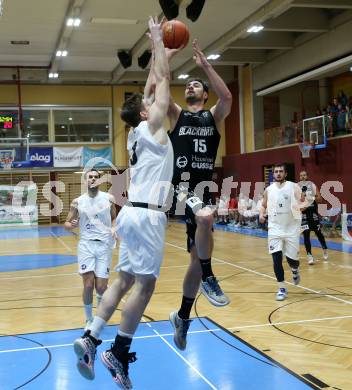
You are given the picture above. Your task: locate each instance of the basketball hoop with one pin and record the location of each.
(305, 149)
(7, 157)
(6, 163)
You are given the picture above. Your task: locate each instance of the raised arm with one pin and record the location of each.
(149, 89)
(158, 110)
(222, 107)
(174, 109)
(72, 216)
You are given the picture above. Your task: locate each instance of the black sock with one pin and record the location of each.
(206, 268)
(122, 346)
(186, 307)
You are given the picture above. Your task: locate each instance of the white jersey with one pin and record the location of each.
(151, 167)
(284, 216)
(309, 189)
(95, 217)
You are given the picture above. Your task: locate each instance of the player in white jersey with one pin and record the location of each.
(141, 222)
(94, 213)
(283, 202)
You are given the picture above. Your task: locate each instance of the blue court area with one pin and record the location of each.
(34, 261)
(33, 232)
(214, 359)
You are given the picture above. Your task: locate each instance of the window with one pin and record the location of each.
(82, 125)
(36, 125)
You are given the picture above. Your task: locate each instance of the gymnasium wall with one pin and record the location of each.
(341, 82)
(326, 47)
(110, 96)
(323, 165)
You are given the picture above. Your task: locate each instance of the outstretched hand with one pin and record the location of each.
(198, 55)
(155, 29)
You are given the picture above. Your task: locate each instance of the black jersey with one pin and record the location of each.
(195, 141)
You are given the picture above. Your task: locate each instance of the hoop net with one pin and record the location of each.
(305, 149)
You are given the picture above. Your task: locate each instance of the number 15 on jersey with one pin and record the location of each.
(200, 145)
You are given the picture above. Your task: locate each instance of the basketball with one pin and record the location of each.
(175, 34)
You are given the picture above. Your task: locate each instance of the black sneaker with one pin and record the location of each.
(86, 348)
(118, 368)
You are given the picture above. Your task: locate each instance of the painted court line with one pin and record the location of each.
(188, 363)
(62, 242)
(268, 324)
(270, 277)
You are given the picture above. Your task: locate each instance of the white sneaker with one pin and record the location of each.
(310, 259)
(281, 294)
(88, 324)
(326, 255)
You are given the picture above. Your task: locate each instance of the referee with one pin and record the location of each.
(310, 217)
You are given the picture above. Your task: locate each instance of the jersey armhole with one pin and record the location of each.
(178, 120)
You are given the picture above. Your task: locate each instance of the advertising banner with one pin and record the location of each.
(68, 157)
(41, 157)
(105, 153)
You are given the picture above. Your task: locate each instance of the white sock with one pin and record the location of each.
(294, 270)
(282, 285)
(99, 298)
(97, 326)
(89, 311)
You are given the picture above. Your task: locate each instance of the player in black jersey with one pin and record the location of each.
(195, 138)
(310, 217)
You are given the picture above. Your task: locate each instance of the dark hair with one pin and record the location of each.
(91, 170)
(131, 108)
(204, 84)
(283, 165)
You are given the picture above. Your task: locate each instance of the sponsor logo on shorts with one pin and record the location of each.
(83, 267)
(271, 247)
(107, 270)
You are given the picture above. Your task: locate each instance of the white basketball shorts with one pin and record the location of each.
(142, 235)
(288, 245)
(94, 256)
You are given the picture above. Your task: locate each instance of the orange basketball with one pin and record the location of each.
(175, 34)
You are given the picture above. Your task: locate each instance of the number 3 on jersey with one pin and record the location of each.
(200, 145)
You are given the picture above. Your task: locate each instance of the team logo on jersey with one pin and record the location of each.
(205, 114)
(181, 161)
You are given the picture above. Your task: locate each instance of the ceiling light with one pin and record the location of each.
(183, 76)
(1, 7)
(213, 56)
(53, 75)
(31, 119)
(351, 69)
(59, 53)
(64, 53)
(255, 28)
(70, 119)
(75, 22)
